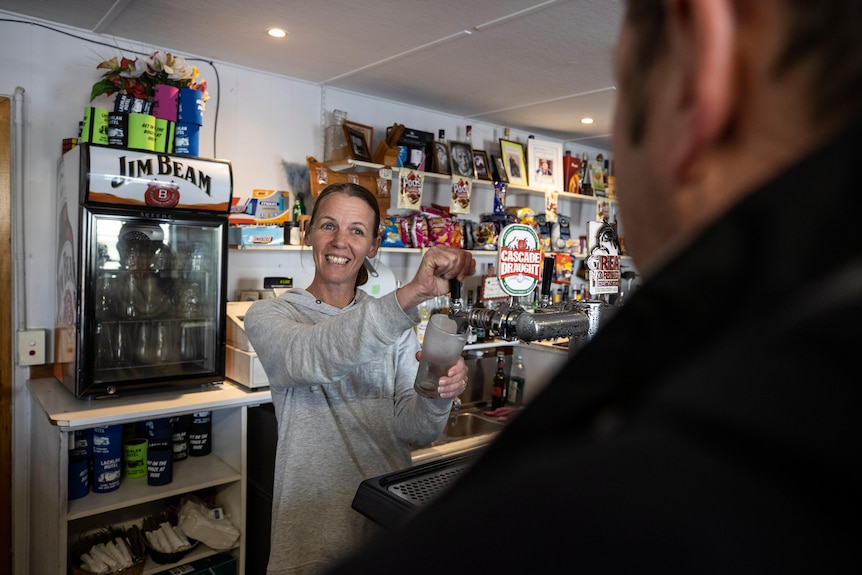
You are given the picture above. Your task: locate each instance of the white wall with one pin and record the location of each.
(256, 120)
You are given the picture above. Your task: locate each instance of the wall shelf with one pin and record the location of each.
(342, 165)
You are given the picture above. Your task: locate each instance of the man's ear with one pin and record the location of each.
(703, 42)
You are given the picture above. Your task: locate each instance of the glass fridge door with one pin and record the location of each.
(153, 302)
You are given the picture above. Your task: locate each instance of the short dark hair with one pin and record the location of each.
(355, 191)
(826, 32)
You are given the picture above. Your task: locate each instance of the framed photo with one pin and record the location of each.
(498, 170)
(367, 131)
(480, 163)
(461, 159)
(357, 144)
(546, 164)
(513, 158)
(441, 157)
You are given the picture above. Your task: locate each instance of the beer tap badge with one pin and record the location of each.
(519, 260)
(603, 261)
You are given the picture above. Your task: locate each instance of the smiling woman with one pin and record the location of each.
(345, 361)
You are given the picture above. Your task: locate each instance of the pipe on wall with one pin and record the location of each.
(20, 287)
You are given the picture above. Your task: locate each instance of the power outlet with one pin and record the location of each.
(31, 347)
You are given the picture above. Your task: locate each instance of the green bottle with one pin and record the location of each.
(298, 207)
(517, 378)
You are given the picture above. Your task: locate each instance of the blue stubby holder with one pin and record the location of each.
(191, 107)
(187, 139)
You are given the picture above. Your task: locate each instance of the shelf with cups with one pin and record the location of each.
(61, 516)
(148, 321)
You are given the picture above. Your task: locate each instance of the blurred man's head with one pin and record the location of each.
(714, 99)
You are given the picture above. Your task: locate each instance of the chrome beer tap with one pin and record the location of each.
(576, 320)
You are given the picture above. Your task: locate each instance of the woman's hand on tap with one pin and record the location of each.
(439, 265)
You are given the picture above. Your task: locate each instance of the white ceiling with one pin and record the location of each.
(537, 66)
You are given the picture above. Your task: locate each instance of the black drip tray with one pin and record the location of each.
(390, 499)
(423, 488)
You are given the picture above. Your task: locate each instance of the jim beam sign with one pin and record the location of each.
(519, 260)
(141, 178)
(603, 261)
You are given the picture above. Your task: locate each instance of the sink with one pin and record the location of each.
(470, 425)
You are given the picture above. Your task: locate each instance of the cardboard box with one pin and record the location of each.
(235, 331)
(244, 367)
(416, 140)
(264, 207)
(268, 204)
(256, 236)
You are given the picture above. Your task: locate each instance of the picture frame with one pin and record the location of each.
(513, 158)
(367, 131)
(357, 144)
(461, 159)
(498, 169)
(441, 158)
(545, 165)
(481, 165)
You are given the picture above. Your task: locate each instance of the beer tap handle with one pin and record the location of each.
(455, 290)
(456, 305)
(547, 276)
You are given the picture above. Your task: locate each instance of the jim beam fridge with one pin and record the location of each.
(142, 258)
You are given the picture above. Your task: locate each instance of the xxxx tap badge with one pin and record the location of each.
(519, 260)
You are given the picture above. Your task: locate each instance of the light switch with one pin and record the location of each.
(31, 347)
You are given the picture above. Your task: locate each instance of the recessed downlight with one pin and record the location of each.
(276, 32)
(586, 120)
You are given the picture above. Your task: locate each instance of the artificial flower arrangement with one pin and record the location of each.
(138, 77)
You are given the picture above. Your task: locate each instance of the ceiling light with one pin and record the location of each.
(276, 32)
(586, 120)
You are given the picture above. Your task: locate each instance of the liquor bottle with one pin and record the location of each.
(498, 392)
(517, 379)
(298, 207)
(424, 316)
